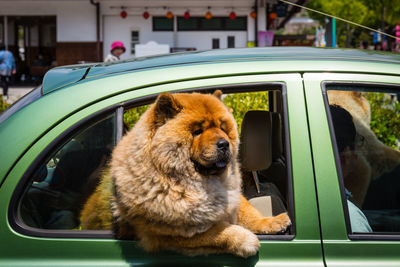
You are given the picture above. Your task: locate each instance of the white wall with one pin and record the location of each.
(203, 40)
(119, 29)
(76, 20)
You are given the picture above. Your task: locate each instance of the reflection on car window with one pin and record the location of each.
(62, 183)
(366, 124)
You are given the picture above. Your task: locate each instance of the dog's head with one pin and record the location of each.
(193, 131)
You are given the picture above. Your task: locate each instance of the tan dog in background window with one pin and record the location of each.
(373, 157)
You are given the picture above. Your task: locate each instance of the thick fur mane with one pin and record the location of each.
(175, 194)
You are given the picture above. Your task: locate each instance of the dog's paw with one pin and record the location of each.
(243, 243)
(273, 225)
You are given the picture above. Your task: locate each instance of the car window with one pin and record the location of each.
(264, 177)
(365, 122)
(62, 182)
(21, 103)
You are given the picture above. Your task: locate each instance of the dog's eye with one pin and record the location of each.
(223, 127)
(197, 132)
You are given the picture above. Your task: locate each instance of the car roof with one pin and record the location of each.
(63, 76)
(69, 89)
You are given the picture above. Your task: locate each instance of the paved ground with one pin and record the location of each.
(16, 92)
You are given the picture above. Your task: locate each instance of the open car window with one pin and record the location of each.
(65, 179)
(263, 154)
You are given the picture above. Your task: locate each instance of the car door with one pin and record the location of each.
(27, 241)
(357, 182)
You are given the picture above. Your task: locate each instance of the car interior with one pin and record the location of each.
(262, 161)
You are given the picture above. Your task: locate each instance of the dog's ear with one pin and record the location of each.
(166, 107)
(356, 94)
(218, 94)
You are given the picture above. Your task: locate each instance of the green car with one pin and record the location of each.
(332, 141)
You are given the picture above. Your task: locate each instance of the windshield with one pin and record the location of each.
(24, 101)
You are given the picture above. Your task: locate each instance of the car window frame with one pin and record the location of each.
(118, 110)
(57, 143)
(375, 87)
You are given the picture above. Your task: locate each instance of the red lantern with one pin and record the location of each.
(232, 15)
(273, 15)
(123, 14)
(169, 15)
(253, 14)
(146, 15)
(186, 15)
(208, 15)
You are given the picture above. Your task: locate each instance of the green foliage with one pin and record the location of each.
(239, 103)
(242, 102)
(3, 104)
(355, 11)
(392, 12)
(385, 118)
(366, 12)
(132, 115)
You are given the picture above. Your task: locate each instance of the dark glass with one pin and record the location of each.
(61, 184)
(212, 24)
(367, 152)
(231, 41)
(237, 24)
(190, 24)
(215, 43)
(163, 24)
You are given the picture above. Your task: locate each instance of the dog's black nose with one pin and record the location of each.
(222, 144)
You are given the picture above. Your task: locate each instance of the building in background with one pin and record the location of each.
(42, 33)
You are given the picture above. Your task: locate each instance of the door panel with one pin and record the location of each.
(341, 248)
(93, 249)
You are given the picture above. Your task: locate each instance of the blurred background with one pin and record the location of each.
(42, 34)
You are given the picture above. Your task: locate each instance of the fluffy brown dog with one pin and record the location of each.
(373, 157)
(174, 182)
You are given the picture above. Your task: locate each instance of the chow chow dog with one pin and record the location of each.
(373, 157)
(174, 182)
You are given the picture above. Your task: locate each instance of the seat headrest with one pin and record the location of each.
(277, 146)
(256, 138)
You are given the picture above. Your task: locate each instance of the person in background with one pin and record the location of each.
(345, 133)
(364, 44)
(117, 49)
(7, 68)
(39, 61)
(378, 46)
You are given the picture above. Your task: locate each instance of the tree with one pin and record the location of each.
(356, 12)
(385, 118)
(386, 13)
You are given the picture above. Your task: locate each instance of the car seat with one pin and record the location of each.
(256, 156)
